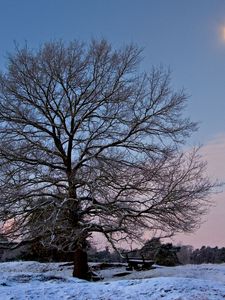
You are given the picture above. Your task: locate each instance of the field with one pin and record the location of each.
(33, 280)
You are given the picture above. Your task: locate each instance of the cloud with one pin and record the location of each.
(214, 153)
(211, 232)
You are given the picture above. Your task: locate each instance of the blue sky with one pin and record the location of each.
(181, 34)
(184, 35)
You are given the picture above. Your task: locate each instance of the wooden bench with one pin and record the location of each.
(138, 264)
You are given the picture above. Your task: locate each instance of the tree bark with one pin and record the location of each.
(81, 264)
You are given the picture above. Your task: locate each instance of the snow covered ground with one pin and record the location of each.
(33, 280)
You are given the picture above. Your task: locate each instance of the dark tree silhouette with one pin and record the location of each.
(88, 144)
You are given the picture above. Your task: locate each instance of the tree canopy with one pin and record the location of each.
(88, 144)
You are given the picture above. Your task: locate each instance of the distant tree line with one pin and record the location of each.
(208, 255)
(165, 254)
(162, 254)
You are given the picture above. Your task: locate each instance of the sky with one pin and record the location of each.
(188, 36)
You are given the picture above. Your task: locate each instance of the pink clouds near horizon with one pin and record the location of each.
(212, 230)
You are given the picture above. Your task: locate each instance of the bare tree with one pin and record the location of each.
(88, 144)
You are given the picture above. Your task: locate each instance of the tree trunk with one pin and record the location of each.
(81, 264)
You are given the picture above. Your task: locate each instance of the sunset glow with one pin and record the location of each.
(222, 33)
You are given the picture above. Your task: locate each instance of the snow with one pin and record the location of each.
(33, 280)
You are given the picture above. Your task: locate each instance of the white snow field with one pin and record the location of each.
(33, 280)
